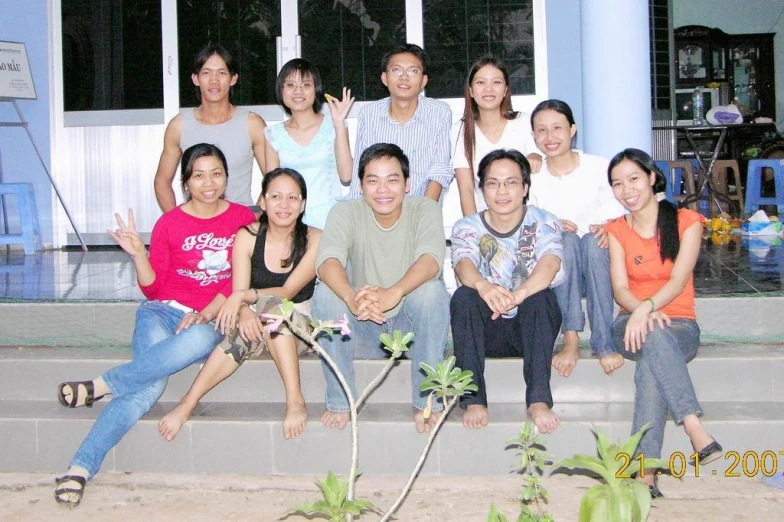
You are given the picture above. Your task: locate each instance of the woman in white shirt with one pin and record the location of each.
(488, 123)
(573, 186)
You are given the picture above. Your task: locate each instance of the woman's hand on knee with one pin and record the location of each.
(190, 319)
(637, 329)
(250, 326)
(658, 317)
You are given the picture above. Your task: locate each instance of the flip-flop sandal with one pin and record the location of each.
(71, 492)
(89, 398)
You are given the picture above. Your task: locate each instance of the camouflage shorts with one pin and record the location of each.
(240, 350)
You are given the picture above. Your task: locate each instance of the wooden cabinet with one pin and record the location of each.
(742, 65)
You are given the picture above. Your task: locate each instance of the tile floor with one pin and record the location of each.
(741, 267)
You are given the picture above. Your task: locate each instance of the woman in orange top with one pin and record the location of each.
(653, 250)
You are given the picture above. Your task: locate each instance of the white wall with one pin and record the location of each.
(737, 17)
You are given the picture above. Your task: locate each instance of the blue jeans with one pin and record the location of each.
(587, 268)
(661, 377)
(425, 311)
(137, 385)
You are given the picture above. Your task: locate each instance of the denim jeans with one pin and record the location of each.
(137, 385)
(661, 378)
(425, 311)
(530, 334)
(587, 268)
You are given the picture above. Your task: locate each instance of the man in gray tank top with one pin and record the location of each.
(236, 131)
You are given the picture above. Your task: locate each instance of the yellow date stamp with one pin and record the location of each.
(748, 464)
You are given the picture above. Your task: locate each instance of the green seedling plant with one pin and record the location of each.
(619, 497)
(335, 506)
(445, 382)
(533, 462)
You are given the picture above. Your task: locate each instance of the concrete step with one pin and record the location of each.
(246, 438)
(720, 373)
(110, 323)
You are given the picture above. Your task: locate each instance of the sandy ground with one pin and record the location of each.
(159, 497)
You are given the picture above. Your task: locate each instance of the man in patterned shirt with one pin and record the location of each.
(506, 258)
(417, 124)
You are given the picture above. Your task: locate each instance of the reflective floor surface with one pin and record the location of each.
(741, 267)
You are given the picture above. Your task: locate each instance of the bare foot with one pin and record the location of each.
(476, 416)
(335, 419)
(169, 426)
(611, 362)
(425, 425)
(294, 420)
(543, 417)
(565, 360)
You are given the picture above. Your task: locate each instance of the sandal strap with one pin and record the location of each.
(89, 398)
(76, 478)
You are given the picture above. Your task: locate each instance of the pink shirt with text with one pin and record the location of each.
(191, 256)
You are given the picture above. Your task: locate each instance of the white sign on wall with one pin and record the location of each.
(16, 81)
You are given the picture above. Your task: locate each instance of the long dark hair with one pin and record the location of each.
(189, 157)
(299, 243)
(471, 110)
(667, 220)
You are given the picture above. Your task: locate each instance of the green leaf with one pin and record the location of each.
(385, 339)
(593, 506)
(630, 445)
(407, 338)
(641, 497)
(620, 503)
(495, 515)
(586, 464)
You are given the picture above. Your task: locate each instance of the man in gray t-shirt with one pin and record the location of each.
(379, 261)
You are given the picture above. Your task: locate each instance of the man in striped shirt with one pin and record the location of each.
(418, 125)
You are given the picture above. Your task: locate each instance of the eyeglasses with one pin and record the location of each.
(493, 184)
(278, 197)
(293, 86)
(410, 72)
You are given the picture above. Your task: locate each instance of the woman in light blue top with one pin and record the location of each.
(312, 143)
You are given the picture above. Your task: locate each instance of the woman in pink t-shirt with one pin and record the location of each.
(186, 277)
(653, 251)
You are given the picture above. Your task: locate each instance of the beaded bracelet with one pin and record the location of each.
(653, 305)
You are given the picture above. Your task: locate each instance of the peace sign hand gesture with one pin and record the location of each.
(127, 236)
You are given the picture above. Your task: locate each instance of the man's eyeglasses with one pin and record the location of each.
(493, 184)
(277, 196)
(411, 72)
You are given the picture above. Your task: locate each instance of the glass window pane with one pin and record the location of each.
(112, 55)
(457, 32)
(346, 40)
(247, 28)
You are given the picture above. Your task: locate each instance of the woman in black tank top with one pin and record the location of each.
(274, 259)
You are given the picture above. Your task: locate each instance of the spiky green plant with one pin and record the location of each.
(619, 497)
(335, 506)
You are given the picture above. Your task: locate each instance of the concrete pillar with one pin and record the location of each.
(616, 76)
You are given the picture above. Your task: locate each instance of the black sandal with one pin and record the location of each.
(74, 402)
(76, 492)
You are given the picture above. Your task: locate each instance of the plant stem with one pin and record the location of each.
(532, 472)
(420, 463)
(375, 382)
(354, 432)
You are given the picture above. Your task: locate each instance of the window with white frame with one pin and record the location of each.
(113, 50)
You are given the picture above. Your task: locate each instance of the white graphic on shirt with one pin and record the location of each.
(214, 262)
(214, 266)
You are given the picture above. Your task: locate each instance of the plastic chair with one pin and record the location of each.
(28, 217)
(721, 177)
(754, 199)
(679, 176)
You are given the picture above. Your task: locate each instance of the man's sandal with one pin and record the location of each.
(69, 495)
(89, 397)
